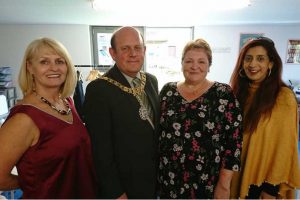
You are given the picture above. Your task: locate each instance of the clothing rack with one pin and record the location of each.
(101, 68)
(94, 66)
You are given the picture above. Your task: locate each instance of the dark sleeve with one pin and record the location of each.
(163, 91)
(99, 124)
(233, 132)
(270, 189)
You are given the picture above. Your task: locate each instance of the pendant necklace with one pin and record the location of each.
(62, 112)
(143, 112)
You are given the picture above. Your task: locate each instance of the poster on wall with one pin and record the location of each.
(245, 37)
(104, 57)
(293, 52)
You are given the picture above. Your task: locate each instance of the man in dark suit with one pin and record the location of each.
(122, 124)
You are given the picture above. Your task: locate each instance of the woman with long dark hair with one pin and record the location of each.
(270, 166)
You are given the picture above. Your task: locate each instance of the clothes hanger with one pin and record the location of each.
(79, 75)
(94, 74)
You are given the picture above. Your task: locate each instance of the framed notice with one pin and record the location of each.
(104, 57)
(293, 52)
(245, 37)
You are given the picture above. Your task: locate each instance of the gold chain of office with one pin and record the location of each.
(136, 91)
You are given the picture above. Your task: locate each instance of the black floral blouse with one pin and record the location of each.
(196, 140)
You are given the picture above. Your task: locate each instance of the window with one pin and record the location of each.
(163, 53)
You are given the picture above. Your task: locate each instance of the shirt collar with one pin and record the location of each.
(129, 79)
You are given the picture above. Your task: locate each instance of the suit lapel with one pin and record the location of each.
(150, 91)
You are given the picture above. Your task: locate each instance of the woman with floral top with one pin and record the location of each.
(200, 139)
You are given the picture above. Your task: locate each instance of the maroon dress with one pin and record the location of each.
(60, 164)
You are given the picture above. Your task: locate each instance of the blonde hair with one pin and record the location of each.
(26, 81)
(198, 44)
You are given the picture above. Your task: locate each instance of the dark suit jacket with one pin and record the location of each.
(124, 146)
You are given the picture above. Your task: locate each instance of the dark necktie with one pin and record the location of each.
(143, 96)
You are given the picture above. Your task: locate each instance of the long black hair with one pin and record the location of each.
(265, 96)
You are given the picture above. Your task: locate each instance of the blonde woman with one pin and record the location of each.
(43, 135)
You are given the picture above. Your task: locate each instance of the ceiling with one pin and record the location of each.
(133, 13)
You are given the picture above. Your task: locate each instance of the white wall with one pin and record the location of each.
(224, 41)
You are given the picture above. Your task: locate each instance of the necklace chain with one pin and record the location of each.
(62, 112)
(136, 92)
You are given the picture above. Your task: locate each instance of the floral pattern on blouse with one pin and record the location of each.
(196, 140)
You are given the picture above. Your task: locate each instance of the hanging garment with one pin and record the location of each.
(79, 95)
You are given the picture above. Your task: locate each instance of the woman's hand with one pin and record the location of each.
(123, 196)
(222, 190)
(264, 195)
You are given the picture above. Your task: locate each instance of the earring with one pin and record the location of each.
(33, 83)
(270, 70)
(240, 73)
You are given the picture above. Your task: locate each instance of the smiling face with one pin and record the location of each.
(48, 69)
(257, 64)
(195, 65)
